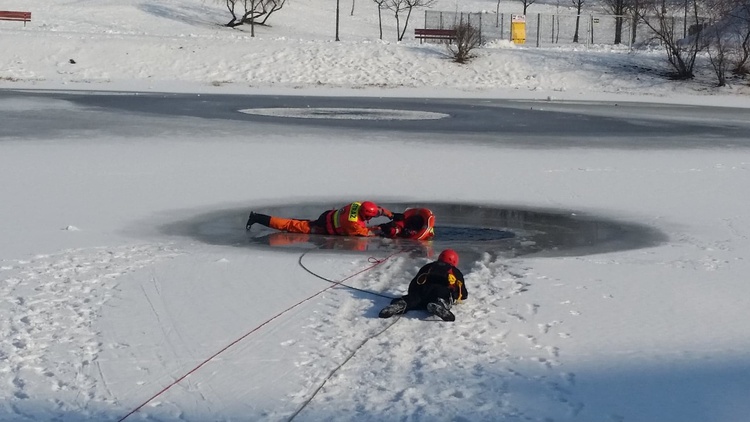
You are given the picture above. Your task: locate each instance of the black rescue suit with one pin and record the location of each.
(435, 280)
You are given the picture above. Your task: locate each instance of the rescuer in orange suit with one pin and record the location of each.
(349, 220)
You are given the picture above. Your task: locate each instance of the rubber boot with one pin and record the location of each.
(262, 219)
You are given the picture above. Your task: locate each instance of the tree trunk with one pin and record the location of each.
(406, 25)
(578, 19)
(398, 28)
(618, 30)
(337, 20)
(380, 21)
(252, 20)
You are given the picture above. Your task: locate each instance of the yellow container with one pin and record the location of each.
(518, 29)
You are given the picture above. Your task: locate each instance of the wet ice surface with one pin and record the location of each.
(469, 228)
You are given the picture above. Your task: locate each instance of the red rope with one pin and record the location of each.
(375, 262)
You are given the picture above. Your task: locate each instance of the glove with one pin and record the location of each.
(397, 216)
(388, 230)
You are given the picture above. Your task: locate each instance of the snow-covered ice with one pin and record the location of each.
(102, 309)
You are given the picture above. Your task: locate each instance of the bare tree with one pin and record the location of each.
(727, 40)
(232, 7)
(618, 8)
(681, 53)
(337, 19)
(468, 38)
(579, 5)
(635, 13)
(398, 7)
(526, 4)
(251, 11)
(719, 51)
(741, 19)
(381, 5)
(718, 38)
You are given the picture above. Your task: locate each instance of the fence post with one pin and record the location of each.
(630, 36)
(556, 35)
(538, 27)
(552, 34)
(481, 38)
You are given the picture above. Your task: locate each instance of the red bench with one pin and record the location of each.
(8, 15)
(435, 34)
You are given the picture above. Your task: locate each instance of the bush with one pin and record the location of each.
(468, 38)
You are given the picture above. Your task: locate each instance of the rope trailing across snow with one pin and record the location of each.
(375, 263)
(356, 349)
(336, 369)
(341, 283)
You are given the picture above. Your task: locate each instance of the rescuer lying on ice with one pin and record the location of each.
(349, 220)
(436, 287)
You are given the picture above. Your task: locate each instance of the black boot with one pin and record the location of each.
(441, 308)
(261, 219)
(396, 307)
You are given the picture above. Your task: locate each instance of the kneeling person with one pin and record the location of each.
(436, 287)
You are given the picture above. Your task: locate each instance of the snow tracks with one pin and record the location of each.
(48, 341)
(498, 361)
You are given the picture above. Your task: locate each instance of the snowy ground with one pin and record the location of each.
(102, 310)
(179, 45)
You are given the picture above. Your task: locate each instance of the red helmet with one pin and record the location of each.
(368, 210)
(449, 256)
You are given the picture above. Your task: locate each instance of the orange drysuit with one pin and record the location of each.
(345, 221)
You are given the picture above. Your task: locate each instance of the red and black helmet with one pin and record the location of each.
(449, 256)
(368, 210)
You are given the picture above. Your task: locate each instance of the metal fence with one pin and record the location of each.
(552, 29)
